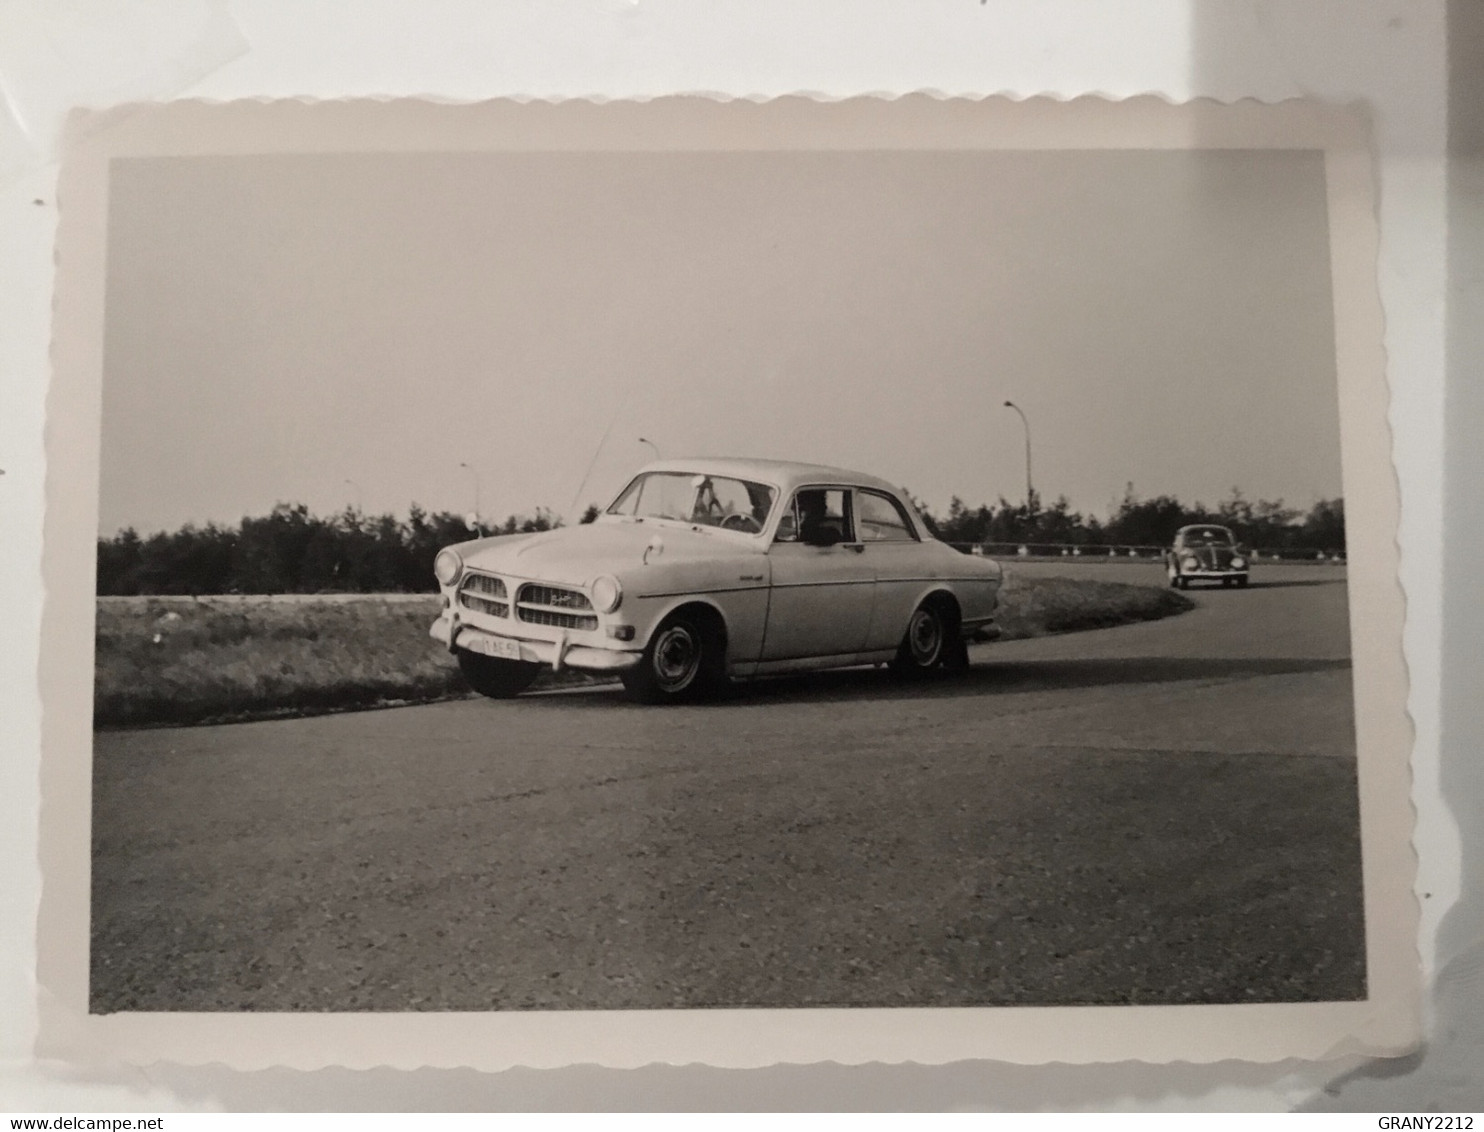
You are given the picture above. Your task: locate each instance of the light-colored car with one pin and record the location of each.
(706, 570)
(1205, 552)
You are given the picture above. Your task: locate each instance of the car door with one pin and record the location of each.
(821, 596)
(893, 550)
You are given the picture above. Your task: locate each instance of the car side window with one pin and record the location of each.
(818, 513)
(882, 519)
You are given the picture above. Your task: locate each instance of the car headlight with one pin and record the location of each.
(607, 594)
(447, 567)
(1239, 563)
(1190, 562)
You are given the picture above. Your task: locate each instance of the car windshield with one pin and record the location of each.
(1208, 534)
(691, 497)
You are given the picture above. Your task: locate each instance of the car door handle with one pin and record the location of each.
(858, 547)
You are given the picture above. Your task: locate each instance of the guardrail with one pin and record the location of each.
(1057, 551)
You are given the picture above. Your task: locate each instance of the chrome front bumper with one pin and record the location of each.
(557, 654)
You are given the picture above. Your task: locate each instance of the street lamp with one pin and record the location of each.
(653, 446)
(473, 471)
(1030, 493)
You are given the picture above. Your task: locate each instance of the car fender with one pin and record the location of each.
(970, 606)
(736, 588)
(742, 613)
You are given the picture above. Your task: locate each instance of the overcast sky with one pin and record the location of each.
(278, 326)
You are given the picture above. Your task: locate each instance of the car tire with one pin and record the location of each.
(926, 643)
(1242, 582)
(494, 677)
(684, 660)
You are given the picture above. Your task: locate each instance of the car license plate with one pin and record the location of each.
(502, 647)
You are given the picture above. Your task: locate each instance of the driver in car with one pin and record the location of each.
(815, 527)
(714, 511)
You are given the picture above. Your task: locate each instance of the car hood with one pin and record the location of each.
(577, 555)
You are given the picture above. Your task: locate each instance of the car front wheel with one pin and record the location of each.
(496, 678)
(683, 660)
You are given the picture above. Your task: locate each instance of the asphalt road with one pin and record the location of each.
(1164, 812)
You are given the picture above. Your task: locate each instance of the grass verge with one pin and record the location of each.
(169, 661)
(1039, 607)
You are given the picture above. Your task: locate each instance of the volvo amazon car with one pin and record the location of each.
(1205, 552)
(704, 571)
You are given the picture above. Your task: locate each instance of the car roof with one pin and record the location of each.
(786, 474)
(1203, 527)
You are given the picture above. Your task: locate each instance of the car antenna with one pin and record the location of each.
(602, 440)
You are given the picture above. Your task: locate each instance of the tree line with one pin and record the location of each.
(1260, 525)
(291, 551)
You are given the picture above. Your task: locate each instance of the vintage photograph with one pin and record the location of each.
(633, 577)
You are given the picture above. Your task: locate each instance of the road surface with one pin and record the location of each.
(1163, 812)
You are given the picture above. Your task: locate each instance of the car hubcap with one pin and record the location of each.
(677, 656)
(925, 637)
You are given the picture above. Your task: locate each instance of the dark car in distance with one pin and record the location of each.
(1205, 552)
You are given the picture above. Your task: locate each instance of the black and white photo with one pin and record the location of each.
(656, 565)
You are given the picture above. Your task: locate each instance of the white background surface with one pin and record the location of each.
(1390, 56)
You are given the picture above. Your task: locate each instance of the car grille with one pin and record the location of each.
(552, 605)
(484, 594)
